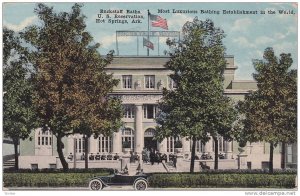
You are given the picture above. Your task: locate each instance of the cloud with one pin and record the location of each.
(178, 20)
(108, 40)
(26, 22)
(279, 36)
(285, 47)
(263, 40)
(241, 24)
(242, 41)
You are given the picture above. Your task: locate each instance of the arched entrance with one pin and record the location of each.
(149, 141)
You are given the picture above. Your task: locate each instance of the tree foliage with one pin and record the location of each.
(270, 113)
(18, 111)
(71, 84)
(196, 108)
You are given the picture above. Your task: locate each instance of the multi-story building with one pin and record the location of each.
(140, 88)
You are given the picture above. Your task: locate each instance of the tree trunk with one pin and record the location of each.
(283, 155)
(271, 158)
(16, 143)
(216, 153)
(61, 154)
(193, 155)
(86, 152)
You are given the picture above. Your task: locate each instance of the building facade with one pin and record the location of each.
(140, 88)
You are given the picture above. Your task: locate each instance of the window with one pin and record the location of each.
(149, 81)
(249, 165)
(44, 138)
(200, 146)
(222, 145)
(128, 138)
(79, 145)
(289, 154)
(150, 111)
(149, 133)
(127, 81)
(172, 84)
(128, 111)
(264, 164)
(52, 166)
(104, 144)
(34, 166)
(170, 144)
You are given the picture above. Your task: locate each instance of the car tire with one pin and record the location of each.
(140, 185)
(95, 185)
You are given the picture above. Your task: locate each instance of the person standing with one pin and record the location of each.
(152, 156)
(147, 155)
(175, 160)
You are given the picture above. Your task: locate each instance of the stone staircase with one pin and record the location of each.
(9, 164)
(155, 168)
(170, 167)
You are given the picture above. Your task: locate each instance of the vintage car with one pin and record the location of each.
(139, 181)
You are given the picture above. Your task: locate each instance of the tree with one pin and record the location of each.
(71, 84)
(194, 108)
(18, 111)
(270, 113)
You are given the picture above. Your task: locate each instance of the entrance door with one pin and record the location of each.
(149, 141)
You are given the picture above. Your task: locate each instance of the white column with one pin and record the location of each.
(93, 145)
(228, 153)
(139, 133)
(70, 142)
(117, 142)
(162, 146)
(186, 147)
(209, 146)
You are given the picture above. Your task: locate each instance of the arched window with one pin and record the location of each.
(128, 138)
(149, 132)
(104, 144)
(44, 138)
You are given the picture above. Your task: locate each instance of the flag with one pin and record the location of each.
(147, 43)
(158, 21)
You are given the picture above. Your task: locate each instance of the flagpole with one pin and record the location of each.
(148, 32)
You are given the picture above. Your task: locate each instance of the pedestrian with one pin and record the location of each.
(144, 155)
(157, 157)
(131, 157)
(175, 160)
(147, 156)
(152, 156)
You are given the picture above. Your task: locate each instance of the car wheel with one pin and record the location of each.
(95, 185)
(140, 185)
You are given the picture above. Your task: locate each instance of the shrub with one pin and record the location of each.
(39, 179)
(201, 180)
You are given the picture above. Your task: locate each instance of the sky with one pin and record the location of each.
(247, 35)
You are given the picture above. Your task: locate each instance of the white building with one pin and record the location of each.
(140, 88)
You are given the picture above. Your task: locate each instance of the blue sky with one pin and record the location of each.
(246, 35)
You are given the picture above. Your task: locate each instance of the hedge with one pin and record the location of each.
(169, 180)
(49, 179)
(200, 180)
